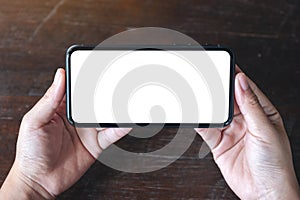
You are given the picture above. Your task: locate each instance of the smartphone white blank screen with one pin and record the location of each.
(150, 86)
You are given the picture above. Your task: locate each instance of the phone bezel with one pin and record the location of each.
(156, 47)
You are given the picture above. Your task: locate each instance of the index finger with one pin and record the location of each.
(266, 104)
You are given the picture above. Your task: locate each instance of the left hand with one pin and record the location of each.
(51, 154)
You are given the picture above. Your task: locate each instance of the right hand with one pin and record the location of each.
(253, 152)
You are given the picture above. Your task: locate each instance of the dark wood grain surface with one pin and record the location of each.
(34, 36)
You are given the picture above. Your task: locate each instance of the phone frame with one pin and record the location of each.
(150, 47)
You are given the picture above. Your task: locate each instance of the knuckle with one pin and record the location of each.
(254, 87)
(48, 94)
(26, 118)
(49, 99)
(276, 117)
(273, 114)
(26, 121)
(252, 100)
(119, 132)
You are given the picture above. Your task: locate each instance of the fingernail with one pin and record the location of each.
(57, 76)
(243, 82)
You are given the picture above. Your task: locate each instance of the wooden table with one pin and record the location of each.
(34, 36)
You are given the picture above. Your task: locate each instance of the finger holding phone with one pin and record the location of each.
(253, 152)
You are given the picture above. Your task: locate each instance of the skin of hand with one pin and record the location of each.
(253, 152)
(51, 154)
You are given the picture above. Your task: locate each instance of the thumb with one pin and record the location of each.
(45, 108)
(249, 106)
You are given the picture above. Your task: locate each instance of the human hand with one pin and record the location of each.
(51, 154)
(253, 152)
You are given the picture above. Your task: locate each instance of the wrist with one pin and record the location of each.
(18, 186)
(289, 189)
(293, 191)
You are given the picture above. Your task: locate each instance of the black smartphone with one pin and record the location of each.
(170, 86)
